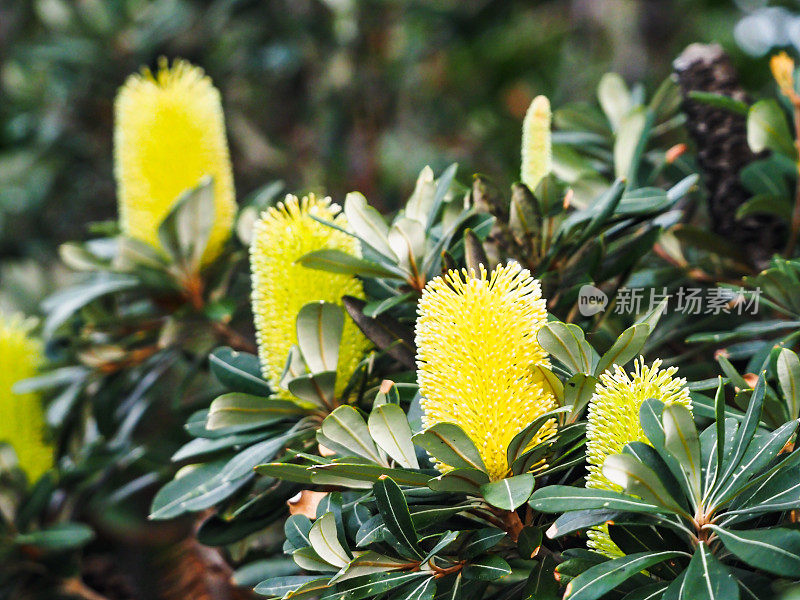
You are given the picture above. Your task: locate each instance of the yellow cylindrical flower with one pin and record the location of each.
(537, 152)
(614, 422)
(281, 286)
(22, 423)
(782, 67)
(170, 134)
(476, 344)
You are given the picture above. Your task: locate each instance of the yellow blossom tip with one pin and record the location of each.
(282, 286)
(537, 153)
(22, 425)
(613, 421)
(782, 67)
(169, 135)
(476, 341)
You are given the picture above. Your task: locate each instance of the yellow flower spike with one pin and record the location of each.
(281, 286)
(782, 67)
(537, 153)
(476, 343)
(169, 134)
(22, 423)
(614, 421)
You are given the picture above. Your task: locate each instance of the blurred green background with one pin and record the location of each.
(330, 95)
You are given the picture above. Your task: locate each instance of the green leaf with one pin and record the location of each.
(542, 583)
(486, 568)
(64, 303)
(196, 487)
(316, 389)
(325, 541)
(563, 498)
(683, 442)
(600, 579)
(614, 97)
(238, 371)
(463, 481)
(448, 443)
(308, 560)
(285, 472)
(346, 427)
(247, 460)
(368, 224)
(483, 540)
(745, 432)
(529, 541)
(637, 479)
(337, 261)
(319, 331)
(510, 493)
(775, 551)
(368, 563)
(788, 368)
(280, 586)
(631, 140)
(371, 586)
(578, 391)
(767, 129)
(578, 520)
(235, 409)
(720, 101)
(184, 232)
(57, 538)
(296, 529)
(378, 307)
(520, 442)
(566, 342)
(394, 510)
(324, 474)
(407, 240)
(418, 590)
(707, 578)
(628, 345)
(388, 426)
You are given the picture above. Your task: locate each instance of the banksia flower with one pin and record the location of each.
(537, 153)
(281, 286)
(614, 422)
(169, 135)
(21, 415)
(782, 67)
(476, 344)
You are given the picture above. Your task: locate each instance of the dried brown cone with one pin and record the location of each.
(722, 151)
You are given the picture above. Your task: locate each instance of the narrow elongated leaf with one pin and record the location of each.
(682, 441)
(368, 563)
(597, 581)
(370, 586)
(788, 368)
(563, 498)
(746, 431)
(184, 232)
(319, 331)
(707, 578)
(486, 568)
(776, 550)
(448, 443)
(368, 473)
(520, 442)
(578, 520)
(234, 409)
(389, 427)
(337, 261)
(346, 427)
(57, 538)
(628, 345)
(394, 510)
(464, 481)
(248, 459)
(509, 493)
(279, 586)
(314, 389)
